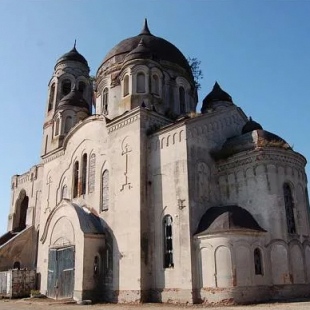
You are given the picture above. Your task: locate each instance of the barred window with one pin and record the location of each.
(168, 243)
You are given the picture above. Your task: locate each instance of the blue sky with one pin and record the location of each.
(258, 51)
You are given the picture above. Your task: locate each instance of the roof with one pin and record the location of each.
(89, 222)
(72, 55)
(227, 218)
(74, 98)
(216, 94)
(248, 141)
(251, 125)
(160, 49)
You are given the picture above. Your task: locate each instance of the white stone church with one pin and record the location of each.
(140, 198)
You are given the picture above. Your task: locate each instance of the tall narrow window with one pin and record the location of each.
(46, 142)
(76, 179)
(289, 208)
(140, 82)
(126, 86)
(182, 100)
(105, 190)
(105, 97)
(155, 85)
(68, 124)
(51, 97)
(66, 87)
(91, 173)
(258, 261)
(82, 87)
(57, 127)
(168, 246)
(84, 172)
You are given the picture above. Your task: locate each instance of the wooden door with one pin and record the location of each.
(60, 282)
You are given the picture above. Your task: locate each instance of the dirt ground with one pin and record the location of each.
(27, 304)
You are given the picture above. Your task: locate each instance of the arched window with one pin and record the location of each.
(105, 190)
(23, 213)
(57, 127)
(289, 208)
(16, 265)
(84, 172)
(64, 192)
(51, 97)
(140, 82)
(258, 261)
(126, 86)
(155, 85)
(182, 100)
(81, 87)
(105, 98)
(91, 173)
(66, 87)
(76, 179)
(168, 244)
(68, 124)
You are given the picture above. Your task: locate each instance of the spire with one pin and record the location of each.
(145, 30)
(74, 46)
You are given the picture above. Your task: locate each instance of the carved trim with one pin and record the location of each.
(53, 156)
(123, 123)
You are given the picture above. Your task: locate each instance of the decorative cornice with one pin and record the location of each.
(124, 120)
(51, 156)
(262, 156)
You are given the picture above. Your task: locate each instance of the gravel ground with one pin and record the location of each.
(6, 304)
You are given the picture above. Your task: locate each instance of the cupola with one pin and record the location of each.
(215, 98)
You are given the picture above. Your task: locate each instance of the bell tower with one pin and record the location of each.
(69, 99)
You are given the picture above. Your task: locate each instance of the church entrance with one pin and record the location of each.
(60, 281)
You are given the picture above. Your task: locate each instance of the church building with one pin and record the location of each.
(138, 197)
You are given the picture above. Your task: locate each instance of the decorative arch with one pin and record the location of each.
(92, 173)
(105, 190)
(223, 267)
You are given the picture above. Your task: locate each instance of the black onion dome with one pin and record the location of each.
(216, 94)
(250, 126)
(74, 99)
(160, 49)
(72, 55)
(227, 218)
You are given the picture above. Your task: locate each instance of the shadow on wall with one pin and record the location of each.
(108, 279)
